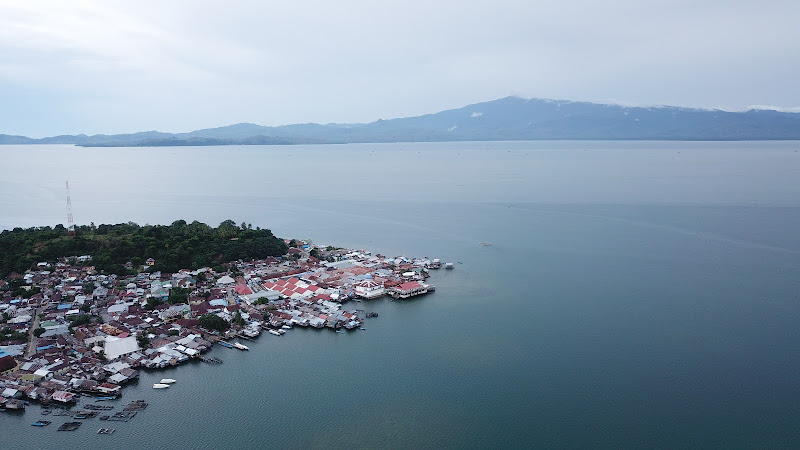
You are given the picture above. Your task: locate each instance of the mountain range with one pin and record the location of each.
(510, 118)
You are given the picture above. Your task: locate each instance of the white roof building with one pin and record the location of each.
(116, 347)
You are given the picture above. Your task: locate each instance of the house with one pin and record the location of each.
(63, 396)
(369, 288)
(118, 347)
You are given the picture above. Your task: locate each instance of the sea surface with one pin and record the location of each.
(637, 294)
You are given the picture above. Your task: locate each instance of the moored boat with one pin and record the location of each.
(241, 346)
(275, 332)
(160, 386)
(167, 381)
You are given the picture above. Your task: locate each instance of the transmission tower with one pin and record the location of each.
(70, 223)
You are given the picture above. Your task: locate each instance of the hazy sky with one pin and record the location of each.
(69, 67)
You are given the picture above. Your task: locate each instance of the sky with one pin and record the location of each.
(125, 66)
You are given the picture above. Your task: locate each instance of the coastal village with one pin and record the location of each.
(67, 331)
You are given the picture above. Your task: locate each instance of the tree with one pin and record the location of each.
(238, 319)
(213, 322)
(80, 319)
(39, 331)
(143, 340)
(152, 302)
(178, 295)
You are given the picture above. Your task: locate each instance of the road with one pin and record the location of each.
(31, 338)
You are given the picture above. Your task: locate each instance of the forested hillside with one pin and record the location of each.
(178, 246)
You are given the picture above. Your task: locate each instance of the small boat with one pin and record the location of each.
(362, 328)
(241, 346)
(105, 398)
(40, 423)
(106, 430)
(281, 331)
(449, 265)
(167, 381)
(275, 332)
(160, 386)
(225, 344)
(287, 327)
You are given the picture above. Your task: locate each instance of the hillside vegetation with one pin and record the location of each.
(178, 246)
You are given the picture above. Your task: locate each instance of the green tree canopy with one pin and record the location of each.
(213, 322)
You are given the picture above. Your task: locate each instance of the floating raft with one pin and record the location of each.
(98, 407)
(69, 426)
(210, 360)
(136, 405)
(122, 416)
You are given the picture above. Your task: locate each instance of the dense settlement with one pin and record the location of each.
(86, 333)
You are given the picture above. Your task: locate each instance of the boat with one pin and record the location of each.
(160, 386)
(281, 331)
(41, 423)
(225, 344)
(105, 398)
(275, 332)
(449, 265)
(240, 346)
(167, 381)
(362, 328)
(286, 327)
(106, 430)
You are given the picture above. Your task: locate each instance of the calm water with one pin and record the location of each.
(636, 293)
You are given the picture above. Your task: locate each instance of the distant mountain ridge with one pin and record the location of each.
(510, 118)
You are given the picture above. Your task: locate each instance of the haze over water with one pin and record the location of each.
(635, 293)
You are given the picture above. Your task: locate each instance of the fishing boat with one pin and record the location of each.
(160, 386)
(275, 332)
(105, 398)
(167, 381)
(40, 423)
(241, 346)
(225, 344)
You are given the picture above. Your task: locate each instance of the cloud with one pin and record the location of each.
(92, 66)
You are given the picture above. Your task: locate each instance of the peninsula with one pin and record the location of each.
(86, 324)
